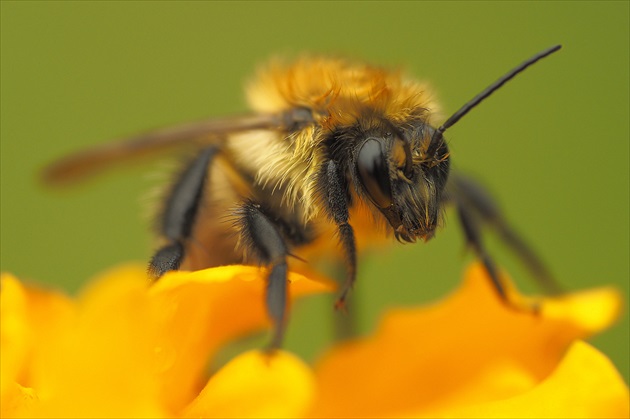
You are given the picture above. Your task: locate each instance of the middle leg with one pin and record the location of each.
(260, 236)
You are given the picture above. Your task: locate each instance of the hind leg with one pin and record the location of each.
(193, 246)
(181, 213)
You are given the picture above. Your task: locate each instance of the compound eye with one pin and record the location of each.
(374, 173)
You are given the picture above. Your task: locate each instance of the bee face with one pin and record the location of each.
(394, 170)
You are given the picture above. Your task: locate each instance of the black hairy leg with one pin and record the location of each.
(261, 237)
(179, 215)
(332, 186)
(470, 225)
(480, 205)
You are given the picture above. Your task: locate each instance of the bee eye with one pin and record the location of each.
(374, 173)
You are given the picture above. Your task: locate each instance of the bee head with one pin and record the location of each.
(403, 173)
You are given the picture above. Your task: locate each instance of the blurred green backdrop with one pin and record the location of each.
(552, 144)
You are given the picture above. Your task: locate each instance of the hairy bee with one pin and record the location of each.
(333, 148)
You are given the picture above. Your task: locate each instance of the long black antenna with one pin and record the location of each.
(436, 140)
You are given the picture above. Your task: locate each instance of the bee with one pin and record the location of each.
(334, 150)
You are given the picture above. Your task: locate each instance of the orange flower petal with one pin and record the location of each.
(470, 348)
(103, 363)
(256, 384)
(128, 350)
(29, 320)
(14, 331)
(18, 401)
(201, 311)
(585, 385)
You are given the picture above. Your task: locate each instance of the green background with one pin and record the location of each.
(552, 145)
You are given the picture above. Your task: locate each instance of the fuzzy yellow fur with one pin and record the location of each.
(339, 93)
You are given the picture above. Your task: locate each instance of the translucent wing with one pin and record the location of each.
(86, 163)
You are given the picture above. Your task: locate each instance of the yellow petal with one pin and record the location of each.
(103, 364)
(585, 385)
(14, 331)
(201, 311)
(128, 350)
(256, 384)
(29, 321)
(468, 349)
(589, 311)
(18, 401)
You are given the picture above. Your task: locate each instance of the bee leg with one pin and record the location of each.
(478, 200)
(262, 237)
(470, 225)
(180, 213)
(332, 185)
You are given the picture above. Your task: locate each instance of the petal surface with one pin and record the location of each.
(126, 349)
(202, 311)
(468, 349)
(257, 384)
(29, 321)
(103, 363)
(585, 385)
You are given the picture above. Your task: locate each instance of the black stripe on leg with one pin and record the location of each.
(276, 301)
(470, 225)
(183, 202)
(261, 237)
(168, 258)
(336, 203)
(475, 197)
(259, 234)
(180, 213)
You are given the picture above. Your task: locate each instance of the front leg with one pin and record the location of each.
(261, 236)
(332, 187)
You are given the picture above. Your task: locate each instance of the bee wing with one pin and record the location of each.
(89, 162)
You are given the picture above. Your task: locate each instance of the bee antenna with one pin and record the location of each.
(437, 138)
